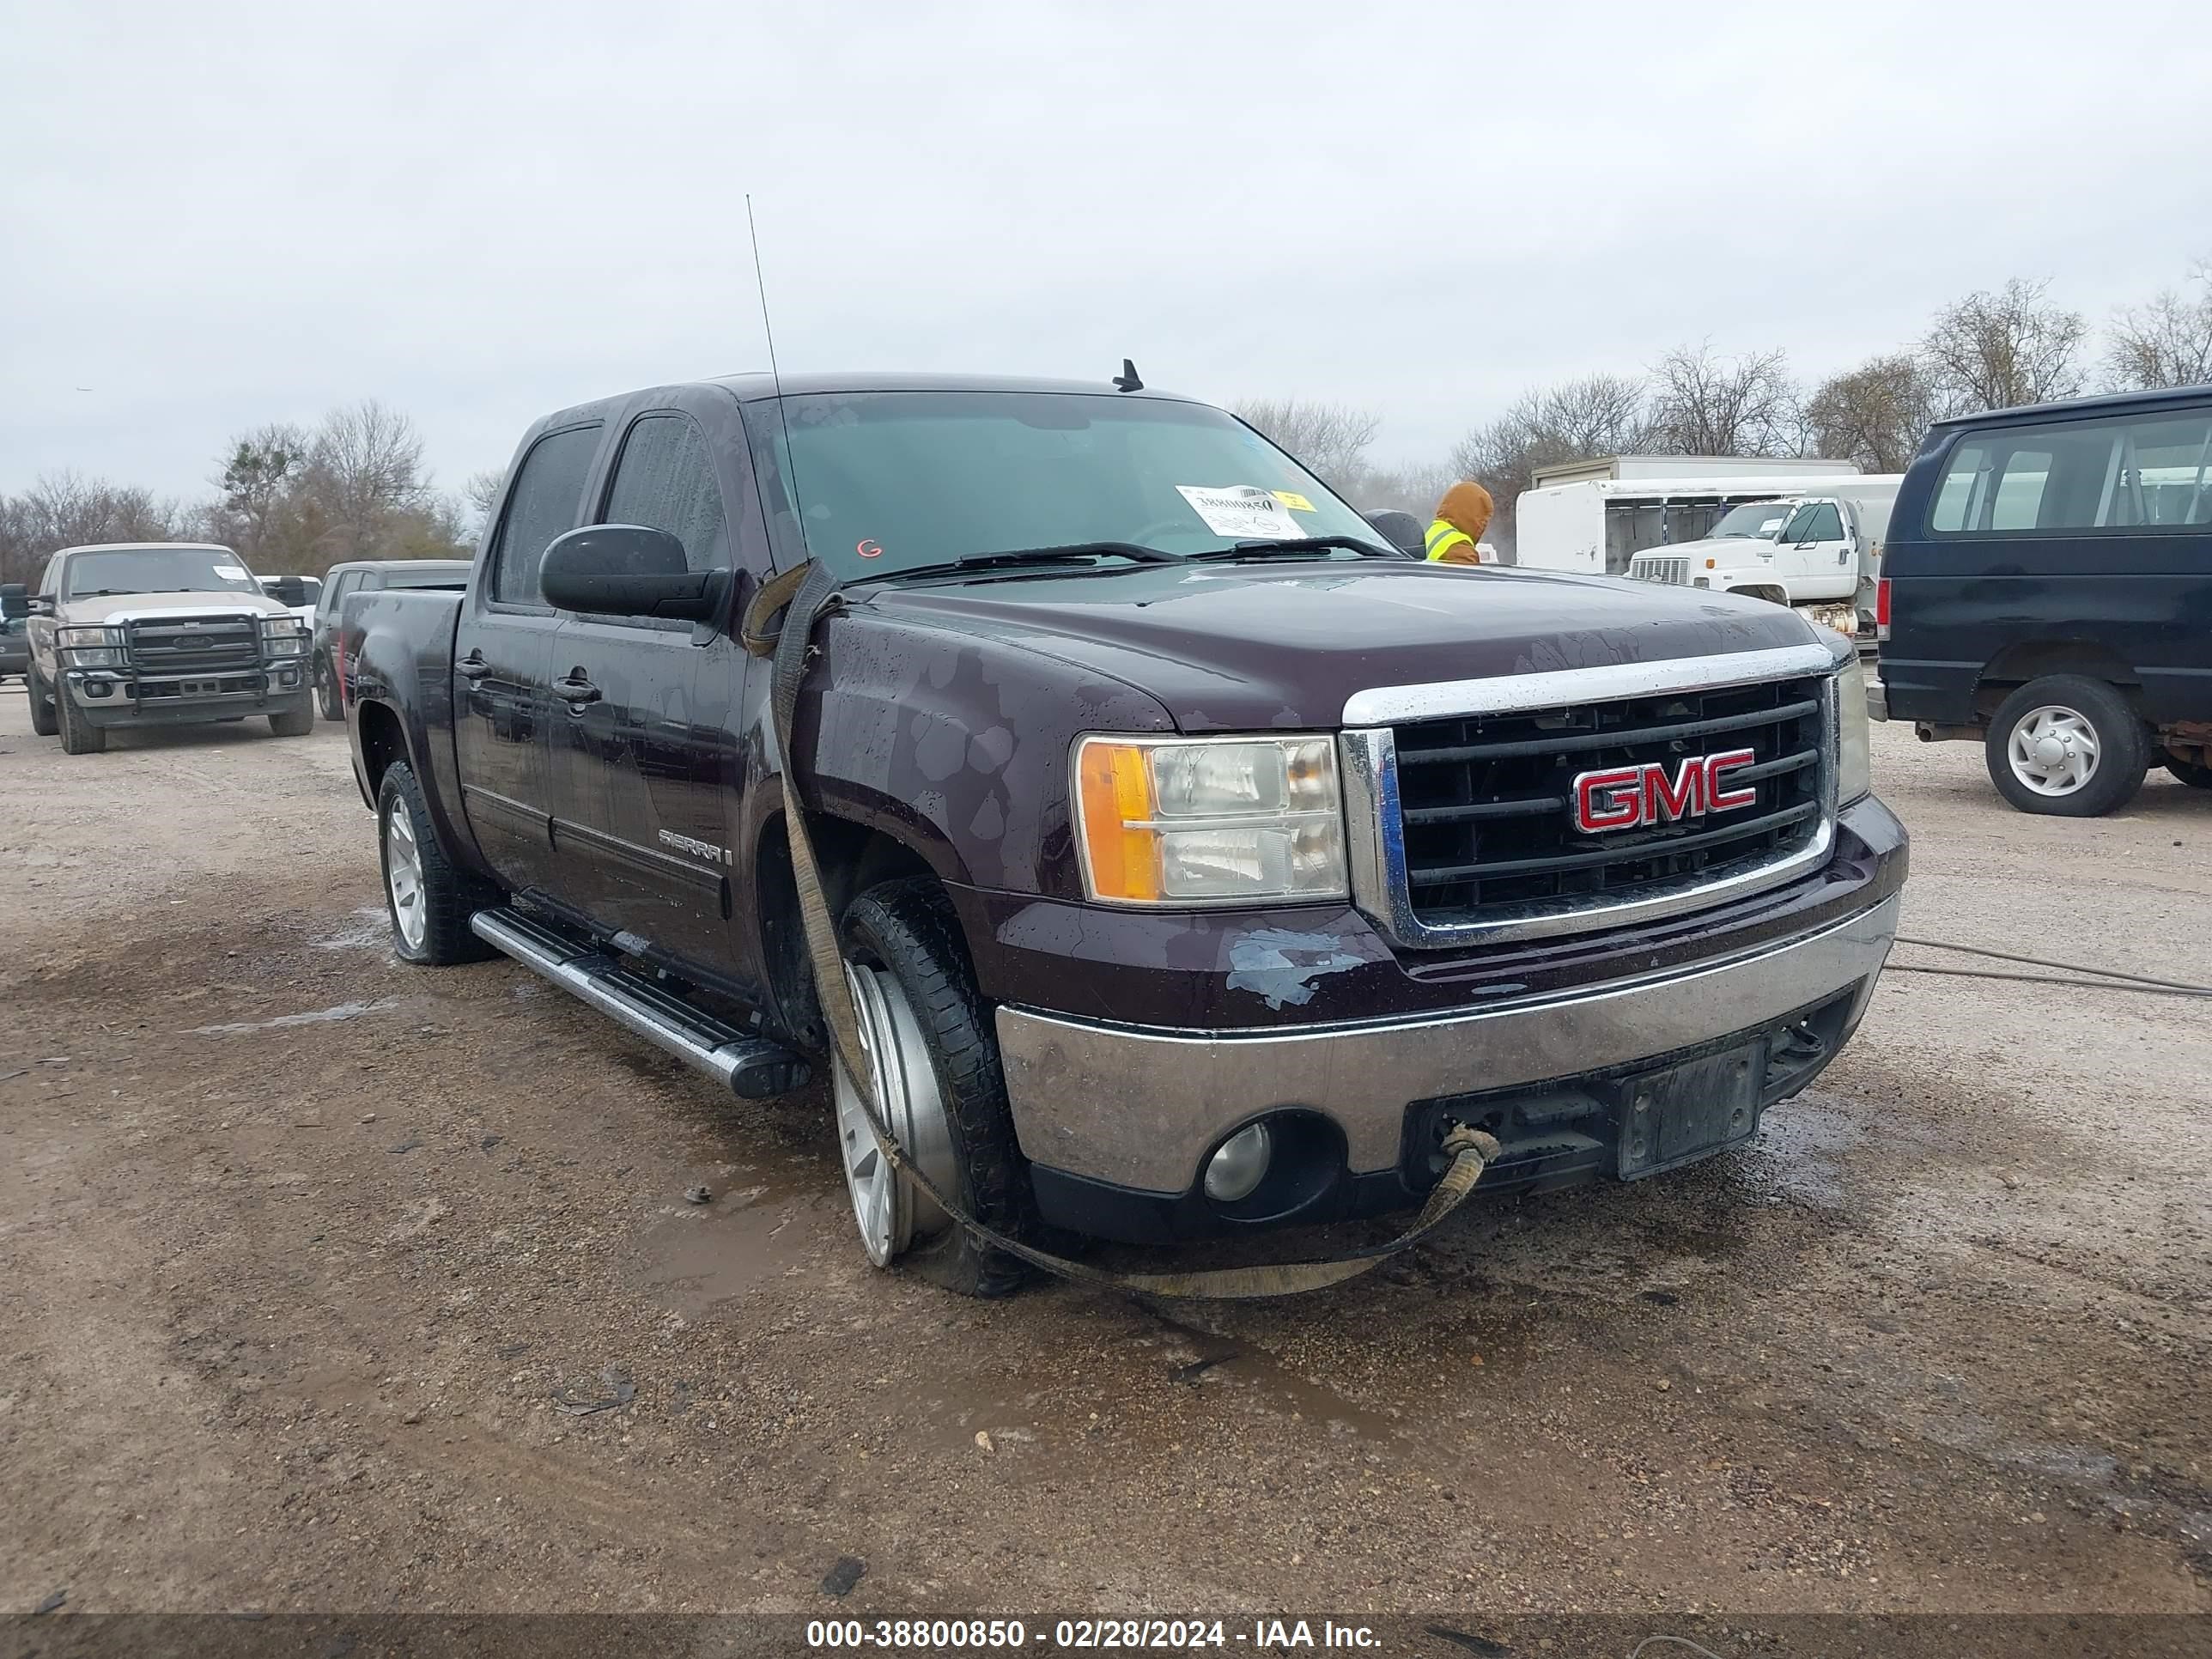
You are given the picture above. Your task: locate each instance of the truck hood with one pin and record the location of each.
(121, 607)
(1245, 648)
(1728, 550)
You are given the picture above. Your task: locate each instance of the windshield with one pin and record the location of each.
(894, 480)
(1757, 519)
(158, 570)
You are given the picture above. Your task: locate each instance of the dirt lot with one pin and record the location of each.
(297, 1243)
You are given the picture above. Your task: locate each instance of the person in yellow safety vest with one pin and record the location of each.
(1461, 517)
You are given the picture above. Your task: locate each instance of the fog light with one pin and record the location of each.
(1236, 1168)
(97, 688)
(287, 677)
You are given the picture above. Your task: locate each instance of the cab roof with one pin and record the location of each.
(751, 388)
(2113, 403)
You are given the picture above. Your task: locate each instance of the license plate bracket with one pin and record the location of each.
(1685, 1112)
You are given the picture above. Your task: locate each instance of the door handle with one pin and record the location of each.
(576, 693)
(472, 666)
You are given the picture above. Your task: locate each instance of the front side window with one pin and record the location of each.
(2080, 478)
(157, 570)
(1815, 521)
(542, 504)
(665, 480)
(886, 480)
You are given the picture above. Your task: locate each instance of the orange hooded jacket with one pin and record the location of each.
(1461, 517)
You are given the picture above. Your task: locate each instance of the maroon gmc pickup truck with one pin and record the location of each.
(1197, 855)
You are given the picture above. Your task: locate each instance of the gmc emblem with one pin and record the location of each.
(1638, 796)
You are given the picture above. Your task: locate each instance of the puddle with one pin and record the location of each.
(1799, 1144)
(320, 1017)
(697, 1260)
(369, 930)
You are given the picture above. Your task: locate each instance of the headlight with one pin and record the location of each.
(90, 647)
(283, 636)
(1854, 759)
(1211, 820)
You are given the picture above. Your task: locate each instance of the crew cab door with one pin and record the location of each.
(502, 657)
(1816, 556)
(648, 772)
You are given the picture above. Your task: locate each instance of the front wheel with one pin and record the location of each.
(293, 722)
(2068, 746)
(43, 722)
(429, 900)
(934, 1059)
(79, 735)
(326, 691)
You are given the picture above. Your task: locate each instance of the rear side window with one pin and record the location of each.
(665, 480)
(548, 490)
(2109, 476)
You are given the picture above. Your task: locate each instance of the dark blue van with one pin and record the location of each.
(2046, 591)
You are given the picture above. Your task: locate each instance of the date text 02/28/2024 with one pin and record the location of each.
(1079, 1634)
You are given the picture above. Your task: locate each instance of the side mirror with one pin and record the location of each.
(629, 570)
(14, 601)
(1401, 530)
(288, 590)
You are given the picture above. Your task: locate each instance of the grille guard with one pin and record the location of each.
(1374, 813)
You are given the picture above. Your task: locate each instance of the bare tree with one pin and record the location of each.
(1706, 404)
(67, 510)
(1874, 414)
(366, 468)
(1331, 439)
(480, 494)
(1576, 420)
(260, 474)
(1996, 350)
(1414, 488)
(2165, 342)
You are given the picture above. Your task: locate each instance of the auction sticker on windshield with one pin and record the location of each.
(1241, 511)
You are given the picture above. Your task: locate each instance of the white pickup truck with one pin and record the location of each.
(1819, 552)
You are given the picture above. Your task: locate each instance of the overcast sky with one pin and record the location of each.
(217, 214)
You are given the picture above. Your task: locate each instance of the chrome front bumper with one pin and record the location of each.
(1140, 1107)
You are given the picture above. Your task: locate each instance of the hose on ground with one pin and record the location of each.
(2068, 973)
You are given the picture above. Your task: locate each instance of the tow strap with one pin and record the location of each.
(805, 595)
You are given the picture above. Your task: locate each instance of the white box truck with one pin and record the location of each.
(1820, 551)
(1805, 534)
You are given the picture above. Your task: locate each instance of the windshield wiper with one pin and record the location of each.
(1295, 547)
(1076, 553)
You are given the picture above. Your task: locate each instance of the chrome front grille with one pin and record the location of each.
(1463, 818)
(193, 645)
(1673, 570)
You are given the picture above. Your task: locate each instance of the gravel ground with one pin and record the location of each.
(297, 1246)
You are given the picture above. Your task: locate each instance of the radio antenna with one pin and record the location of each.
(775, 378)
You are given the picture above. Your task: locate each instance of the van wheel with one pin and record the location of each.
(935, 1056)
(2195, 776)
(79, 735)
(42, 705)
(326, 691)
(2068, 746)
(429, 900)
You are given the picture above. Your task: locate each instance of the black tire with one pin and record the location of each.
(449, 895)
(326, 691)
(293, 722)
(79, 735)
(2195, 776)
(42, 705)
(909, 929)
(2123, 746)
